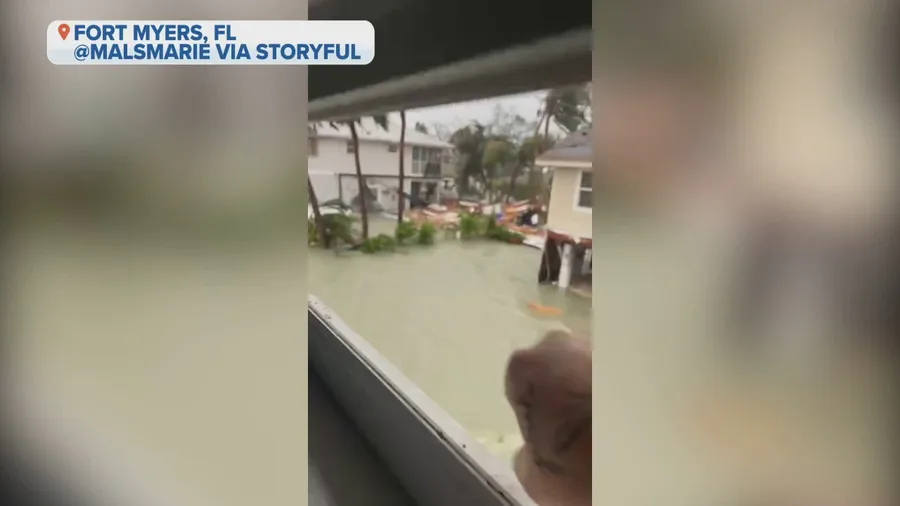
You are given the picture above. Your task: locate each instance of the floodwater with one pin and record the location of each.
(449, 316)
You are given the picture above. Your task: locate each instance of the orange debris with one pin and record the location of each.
(544, 310)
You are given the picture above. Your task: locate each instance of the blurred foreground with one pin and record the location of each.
(744, 336)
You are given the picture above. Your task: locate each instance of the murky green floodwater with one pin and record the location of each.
(449, 316)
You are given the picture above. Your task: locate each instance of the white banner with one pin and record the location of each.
(210, 42)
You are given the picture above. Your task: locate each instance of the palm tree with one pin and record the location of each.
(568, 108)
(381, 121)
(314, 201)
(402, 175)
(420, 127)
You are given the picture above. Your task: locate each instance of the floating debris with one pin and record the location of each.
(519, 217)
(544, 310)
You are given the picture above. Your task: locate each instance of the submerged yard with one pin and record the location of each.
(449, 316)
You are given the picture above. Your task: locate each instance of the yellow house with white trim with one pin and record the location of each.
(569, 212)
(571, 194)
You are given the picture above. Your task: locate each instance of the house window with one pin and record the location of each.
(586, 190)
(393, 148)
(418, 160)
(421, 157)
(349, 146)
(313, 147)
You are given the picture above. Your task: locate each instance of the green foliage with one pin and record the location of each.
(502, 234)
(472, 225)
(491, 227)
(568, 107)
(386, 242)
(338, 229)
(379, 243)
(369, 245)
(405, 233)
(469, 143)
(499, 157)
(507, 145)
(339, 226)
(426, 234)
(524, 191)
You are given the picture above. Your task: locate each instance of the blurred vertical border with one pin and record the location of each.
(153, 267)
(857, 343)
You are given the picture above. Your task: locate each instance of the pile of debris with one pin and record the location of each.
(522, 217)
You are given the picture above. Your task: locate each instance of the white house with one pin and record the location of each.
(332, 169)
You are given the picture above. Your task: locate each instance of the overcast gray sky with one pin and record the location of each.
(456, 115)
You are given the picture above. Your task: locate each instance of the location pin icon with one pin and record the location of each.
(63, 31)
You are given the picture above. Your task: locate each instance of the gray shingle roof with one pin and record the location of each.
(577, 147)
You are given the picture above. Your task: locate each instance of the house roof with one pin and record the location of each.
(368, 130)
(576, 150)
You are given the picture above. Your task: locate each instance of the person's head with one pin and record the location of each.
(549, 388)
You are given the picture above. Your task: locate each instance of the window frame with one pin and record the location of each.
(417, 168)
(580, 188)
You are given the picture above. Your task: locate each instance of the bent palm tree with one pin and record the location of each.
(568, 108)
